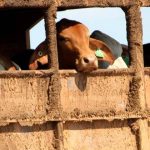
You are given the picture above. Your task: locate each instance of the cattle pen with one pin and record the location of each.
(62, 109)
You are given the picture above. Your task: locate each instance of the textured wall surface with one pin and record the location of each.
(37, 137)
(99, 135)
(95, 93)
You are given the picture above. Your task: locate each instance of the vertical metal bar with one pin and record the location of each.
(59, 135)
(143, 134)
(55, 85)
(50, 27)
(134, 34)
(51, 41)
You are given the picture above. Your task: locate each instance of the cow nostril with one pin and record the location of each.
(86, 60)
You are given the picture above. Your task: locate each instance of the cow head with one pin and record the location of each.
(75, 48)
(39, 59)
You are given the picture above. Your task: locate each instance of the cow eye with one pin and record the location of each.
(40, 53)
(63, 39)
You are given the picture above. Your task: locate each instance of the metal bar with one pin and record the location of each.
(94, 3)
(24, 4)
(59, 135)
(137, 89)
(134, 34)
(54, 85)
(50, 27)
(143, 134)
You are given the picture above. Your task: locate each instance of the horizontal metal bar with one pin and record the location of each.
(31, 121)
(46, 73)
(94, 3)
(24, 3)
(27, 73)
(100, 72)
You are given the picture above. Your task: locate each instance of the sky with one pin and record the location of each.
(108, 20)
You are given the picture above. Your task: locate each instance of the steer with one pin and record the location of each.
(114, 46)
(146, 49)
(76, 49)
(22, 58)
(7, 64)
(146, 54)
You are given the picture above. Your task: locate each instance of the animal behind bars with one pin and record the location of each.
(146, 54)
(77, 50)
(19, 61)
(7, 64)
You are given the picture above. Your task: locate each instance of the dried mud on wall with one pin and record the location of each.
(99, 135)
(36, 137)
(29, 96)
(87, 93)
(23, 97)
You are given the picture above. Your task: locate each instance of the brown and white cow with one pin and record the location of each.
(76, 49)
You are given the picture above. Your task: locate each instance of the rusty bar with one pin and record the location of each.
(100, 72)
(94, 3)
(144, 3)
(26, 73)
(50, 27)
(134, 35)
(54, 84)
(143, 134)
(137, 89)
(59, 135)
(72, 3)
(24, 3)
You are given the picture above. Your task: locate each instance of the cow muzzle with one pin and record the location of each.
(87, 63)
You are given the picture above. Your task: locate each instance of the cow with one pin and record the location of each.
(22, 58)
(125, 54)
(114, 46)
(7, 64)
(39, 59)
(76, 49)
(146, 54)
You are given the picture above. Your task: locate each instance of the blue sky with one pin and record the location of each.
(108, 20)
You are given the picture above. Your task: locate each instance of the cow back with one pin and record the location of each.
(113, 44)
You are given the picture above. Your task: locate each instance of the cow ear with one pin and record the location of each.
(97, 44)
